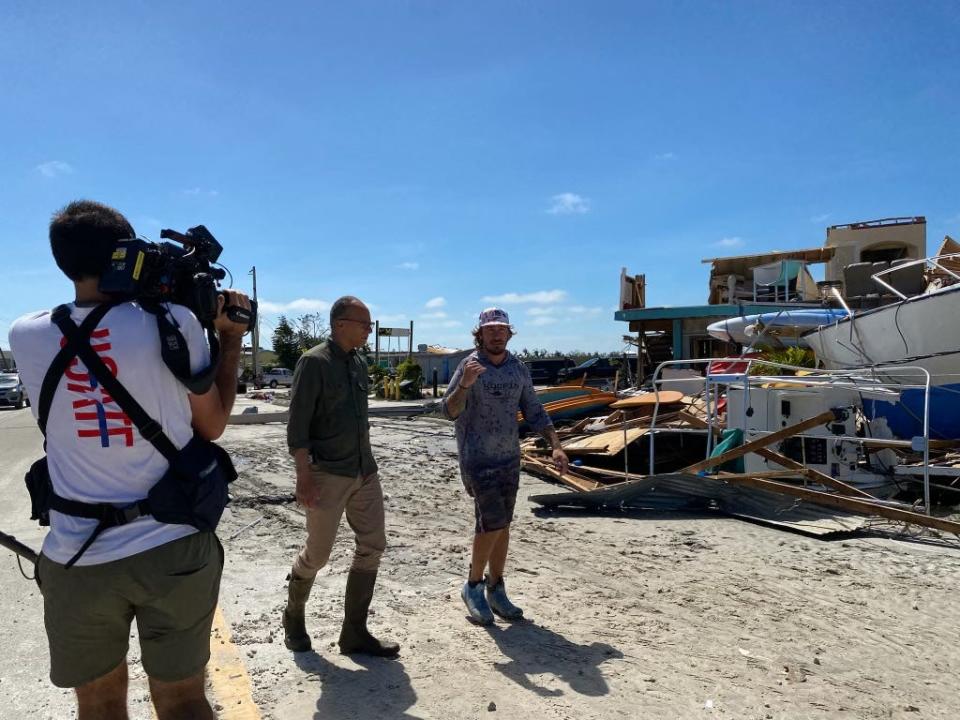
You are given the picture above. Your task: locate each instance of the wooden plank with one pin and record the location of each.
(812, 474)
(786, 462)
(764, 475)
(605, 443)
(569, 479)
(762, 442)
(667, 397)
(854, 505)
(696, 422)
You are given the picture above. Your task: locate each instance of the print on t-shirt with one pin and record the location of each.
(96, 413)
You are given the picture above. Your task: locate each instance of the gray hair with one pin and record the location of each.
(340, 307)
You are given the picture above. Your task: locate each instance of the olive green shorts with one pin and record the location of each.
(172, 592)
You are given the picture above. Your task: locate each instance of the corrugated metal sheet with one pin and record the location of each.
(676, 492)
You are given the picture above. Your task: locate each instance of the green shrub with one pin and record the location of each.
(409, 370)
(800, 357)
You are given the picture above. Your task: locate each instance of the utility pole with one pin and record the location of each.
(255, 333)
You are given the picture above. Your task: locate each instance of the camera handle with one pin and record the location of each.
(241, 315)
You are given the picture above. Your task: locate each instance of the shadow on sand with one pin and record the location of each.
(535, 650)
(380, 688)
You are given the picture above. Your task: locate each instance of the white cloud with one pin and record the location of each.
(568, 204)
(542, 320)
(541, 297)
(384, 319)
(307, 305)
(198, 192)
(436, 302)
(730, 242)
(555, 310)
(54, 168)
(409, 266)
(433, 315)
(665, 156)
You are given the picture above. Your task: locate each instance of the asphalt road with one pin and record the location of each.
(24, 687)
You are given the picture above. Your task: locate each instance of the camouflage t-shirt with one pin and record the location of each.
(488, 438)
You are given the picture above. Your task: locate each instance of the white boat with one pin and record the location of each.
(783, 327)
(921, 331)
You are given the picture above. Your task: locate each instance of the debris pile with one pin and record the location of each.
(607, 454)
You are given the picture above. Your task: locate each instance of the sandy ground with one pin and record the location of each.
(636, 616)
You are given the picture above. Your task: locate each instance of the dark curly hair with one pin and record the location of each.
(83, 235)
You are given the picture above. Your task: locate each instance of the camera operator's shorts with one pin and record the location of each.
(172, 592)
(494, 495)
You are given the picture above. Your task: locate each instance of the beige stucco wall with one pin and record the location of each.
(851, 241)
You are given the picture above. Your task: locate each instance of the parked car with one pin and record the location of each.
(544, 371)
(276, 377)
(12, 391)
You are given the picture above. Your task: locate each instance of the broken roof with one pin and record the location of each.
(738, 264)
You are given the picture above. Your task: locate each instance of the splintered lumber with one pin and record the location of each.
(786, 462)
(610, 442)
(812, 474)
(569, 479)
(854, 505)
(666, 397)
(577, 427)
(662, 420)
(696, 422)
(762, 442)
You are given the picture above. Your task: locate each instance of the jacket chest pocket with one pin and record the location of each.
(362, 383)
(336, 395)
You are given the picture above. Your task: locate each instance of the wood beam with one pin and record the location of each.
(762, 442)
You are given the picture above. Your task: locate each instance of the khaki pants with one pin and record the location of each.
(362, 499)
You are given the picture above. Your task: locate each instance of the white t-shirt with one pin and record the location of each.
(95, 453)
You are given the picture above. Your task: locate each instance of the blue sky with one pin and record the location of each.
(435, 158)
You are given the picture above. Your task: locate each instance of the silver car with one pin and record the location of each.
(12, 391)
(277, 377)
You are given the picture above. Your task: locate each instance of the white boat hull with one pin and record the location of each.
(922, 331)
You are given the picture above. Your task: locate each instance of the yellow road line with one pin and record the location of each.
(227, 677)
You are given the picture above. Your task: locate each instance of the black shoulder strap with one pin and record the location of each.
(149, 428)
(62, 360)
(176, 354)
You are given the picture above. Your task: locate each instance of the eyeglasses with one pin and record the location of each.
(368, 325)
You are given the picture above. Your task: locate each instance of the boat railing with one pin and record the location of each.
(860, 380)
(929, 262)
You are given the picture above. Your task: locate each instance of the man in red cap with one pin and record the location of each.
(484, 395)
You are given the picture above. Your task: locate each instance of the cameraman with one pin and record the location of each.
(166, 576)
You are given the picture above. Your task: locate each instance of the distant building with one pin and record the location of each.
(264, 358)
(6, 360)
(429, 357)
(770, 282)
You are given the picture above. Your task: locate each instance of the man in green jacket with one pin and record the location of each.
(329, 437)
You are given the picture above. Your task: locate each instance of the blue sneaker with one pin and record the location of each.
(500, 603)
(476, 604)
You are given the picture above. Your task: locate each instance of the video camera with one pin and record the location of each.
(164, 272)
